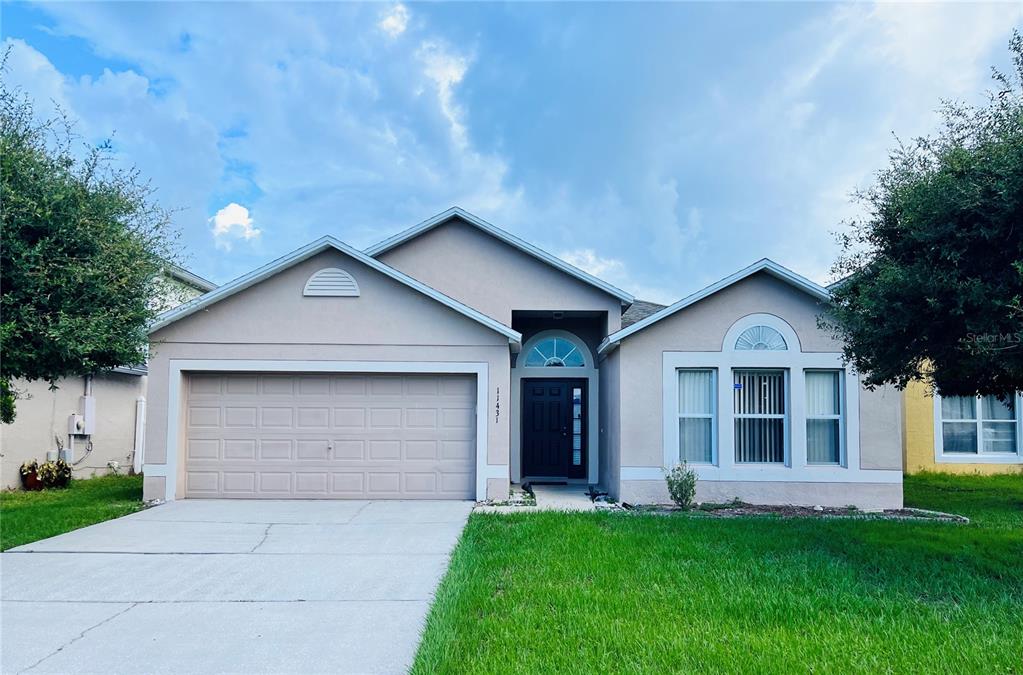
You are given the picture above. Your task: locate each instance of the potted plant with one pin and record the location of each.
(30, 475)
(55, 474)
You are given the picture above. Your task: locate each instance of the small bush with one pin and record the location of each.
(681, 484)
(55, 474)
(30, 467)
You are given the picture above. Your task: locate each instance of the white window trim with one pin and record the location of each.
(178, 368)
(713, 416)
(841, 416)
(980, 457)
(786, 417)
(796, 362)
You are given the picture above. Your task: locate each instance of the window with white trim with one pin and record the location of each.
(823, 416)
(979, 425)
(696, 424)
(761, 416)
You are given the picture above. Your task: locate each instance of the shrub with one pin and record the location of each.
(55, 474)
(30, 467)
(681, 484)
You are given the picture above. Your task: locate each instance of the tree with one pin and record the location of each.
(933, 274)
(83, 244)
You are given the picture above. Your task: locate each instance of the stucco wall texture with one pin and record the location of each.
(44, 414)
(702, 327)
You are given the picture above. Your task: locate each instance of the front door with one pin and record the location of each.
(554, 428)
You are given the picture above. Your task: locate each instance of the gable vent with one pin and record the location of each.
(332, 282)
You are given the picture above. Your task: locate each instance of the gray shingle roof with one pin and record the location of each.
(639, 310)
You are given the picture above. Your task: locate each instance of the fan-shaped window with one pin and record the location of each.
(332, 282)
(761, 338)
(557, 352)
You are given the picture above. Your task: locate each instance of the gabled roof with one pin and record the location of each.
(763, 265)
(308, 251)
(506, 237)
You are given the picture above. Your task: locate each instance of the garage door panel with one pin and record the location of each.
(241, 384)
(350, 418)
(338, 436)
(239, 448)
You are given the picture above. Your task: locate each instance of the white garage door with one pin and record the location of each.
(307, 436)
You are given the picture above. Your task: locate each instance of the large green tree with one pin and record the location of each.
(933, 274)
(83, 243)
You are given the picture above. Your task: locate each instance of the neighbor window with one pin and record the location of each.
(975, 425)
(823, 416)
(696, 415)
(760, 416)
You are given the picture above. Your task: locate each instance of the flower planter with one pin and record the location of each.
(30, 481)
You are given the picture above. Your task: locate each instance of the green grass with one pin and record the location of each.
(608, 593)
(30, 516)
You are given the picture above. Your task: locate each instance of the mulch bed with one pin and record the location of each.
(740, 510)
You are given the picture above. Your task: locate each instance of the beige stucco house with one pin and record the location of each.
(109, 408)
(454, 359)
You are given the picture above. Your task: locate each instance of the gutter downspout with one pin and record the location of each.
(140, 434)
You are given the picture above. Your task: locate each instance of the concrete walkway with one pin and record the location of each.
(230, 586)
(548, 498)
(563, 498)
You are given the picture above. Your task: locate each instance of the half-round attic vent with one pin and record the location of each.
(332, 282)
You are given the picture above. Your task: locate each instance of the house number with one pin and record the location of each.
(497, 407)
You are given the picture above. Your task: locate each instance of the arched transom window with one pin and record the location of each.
(761, 338)
(557, 352)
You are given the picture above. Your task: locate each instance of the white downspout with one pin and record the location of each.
(140, 433)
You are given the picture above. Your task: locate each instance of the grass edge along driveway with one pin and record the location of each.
(30, 516)
(612, 592)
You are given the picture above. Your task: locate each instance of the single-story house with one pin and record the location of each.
(961, 434)
(455, 359)
(106, 410)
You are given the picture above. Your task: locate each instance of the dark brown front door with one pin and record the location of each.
(554, 428)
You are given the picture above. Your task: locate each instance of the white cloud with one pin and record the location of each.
(446, 70)
(233, 222)
(615, 271)
(395, 21)
(587, 259)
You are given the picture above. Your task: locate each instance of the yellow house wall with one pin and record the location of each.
(918, 438)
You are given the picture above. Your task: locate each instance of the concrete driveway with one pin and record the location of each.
(230, 586)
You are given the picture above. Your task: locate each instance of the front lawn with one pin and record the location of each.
(612, 592)
(30, 516)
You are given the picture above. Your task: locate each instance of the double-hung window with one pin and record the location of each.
(696, 404)
(982, 425)
(761, 416)
(823, 417)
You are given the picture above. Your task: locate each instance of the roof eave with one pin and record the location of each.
(764, 265)
(190, 278)
(297, 256)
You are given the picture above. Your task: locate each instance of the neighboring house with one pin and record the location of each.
(110, 406)
(961, 434)
(454, 359)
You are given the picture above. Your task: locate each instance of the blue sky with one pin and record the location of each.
(660, 146)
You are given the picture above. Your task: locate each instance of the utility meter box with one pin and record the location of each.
(75, 424)
(87, 404)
